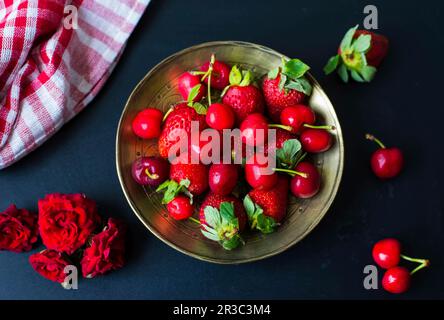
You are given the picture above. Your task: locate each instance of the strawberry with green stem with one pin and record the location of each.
(285, 86)
(359, 54)
(266, 208)
(242, 95)
(222, 218)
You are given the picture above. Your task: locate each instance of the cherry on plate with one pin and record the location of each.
(296, 116)
(220, 116)
(307, 184)
(180, 208)
(186, 82)
(223, 178)
(219, 76)
(150, 171)
(147, 123)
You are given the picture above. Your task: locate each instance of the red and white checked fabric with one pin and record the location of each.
(50, 71)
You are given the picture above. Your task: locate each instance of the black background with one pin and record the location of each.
(402, 106)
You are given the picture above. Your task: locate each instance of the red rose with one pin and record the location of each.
(18, 229)
(50, 264)
(66, 221)
(107, 250)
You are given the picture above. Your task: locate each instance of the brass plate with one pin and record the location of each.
(157, 90)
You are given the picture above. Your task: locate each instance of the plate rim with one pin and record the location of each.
(206, 258)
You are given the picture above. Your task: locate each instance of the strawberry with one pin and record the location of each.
(197, 174)
(179, 117)
(266, 208)
(214, 200)
(242, 96)
(285, 86)
(222, 218)
(359, 54)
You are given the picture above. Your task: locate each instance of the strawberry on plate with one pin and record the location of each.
(222, 218)
(266, 208)
(285, 86)
(359, 54)
(241, 95)
(179, 118)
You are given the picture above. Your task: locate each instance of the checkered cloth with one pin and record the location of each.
(50, 70)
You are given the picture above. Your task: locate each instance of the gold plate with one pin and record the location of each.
(158, 89)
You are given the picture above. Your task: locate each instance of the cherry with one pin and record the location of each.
(258, 175)
(396, 280)
(186, 82)
(180, 208)
(254, 129)
(316, 139)
(386, 162)
(220, 116)
(223, 178)
(151, 171)
(296, 116)
(307, 184)
(387, 253)
(250, 129)
(220, 74)
(147, 123)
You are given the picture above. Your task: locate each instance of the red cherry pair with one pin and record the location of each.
(213, 74)
(387, 254)
(301, 118)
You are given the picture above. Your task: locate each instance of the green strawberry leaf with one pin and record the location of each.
(222, 225)
(212, 216)
(368, 73)
(200, 108)
(347, 40)
(193, 94)
(301, 85)
(249, 206)
(172, 189)
(362, 44)
(227, 211)
(289, 154)
(212, 235)
(273, 73)
(232, 243)
(235, 76)
(247, 78)
(256, 217)
(332, 64)
(266, 224)
(342, 71)
(356, 76)
(295, 69)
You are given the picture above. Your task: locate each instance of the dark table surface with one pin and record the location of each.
(401, 105)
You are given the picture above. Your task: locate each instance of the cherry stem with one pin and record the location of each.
(423, 263)
(167, 114)
(208, 74)
(292, 172)
(153, 176)
(194, 220)
(198, 73)
(371, 137)
(281, 126)
(327, 127)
